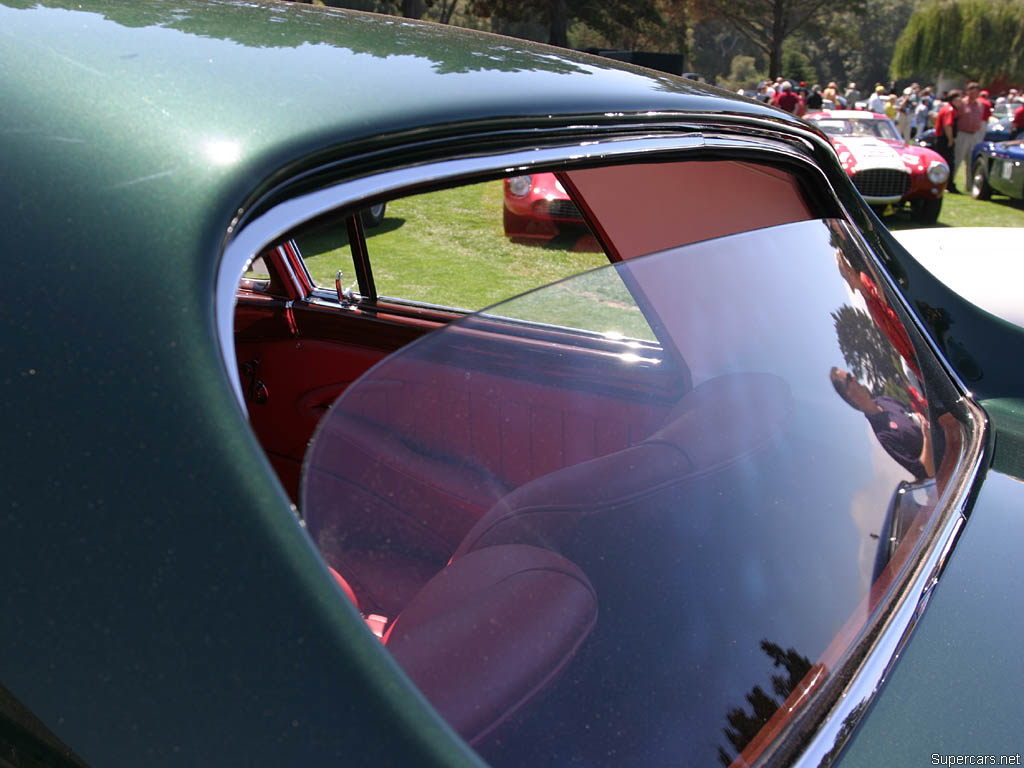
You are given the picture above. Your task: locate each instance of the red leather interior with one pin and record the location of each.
(392, 512)
(490, 632)
(716, 423)
(344, 587)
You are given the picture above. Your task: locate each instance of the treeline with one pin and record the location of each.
(738, 42)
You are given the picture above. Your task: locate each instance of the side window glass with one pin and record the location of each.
(262, 276)
(463, 248)
(472, 246)
(257, 275)
(326, 250)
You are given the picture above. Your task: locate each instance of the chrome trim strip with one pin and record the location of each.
(296, 283)
(271, 225)
(872, 671)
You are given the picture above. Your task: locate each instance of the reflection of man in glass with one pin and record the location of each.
(902, 433)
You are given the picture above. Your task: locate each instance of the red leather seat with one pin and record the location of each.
(714, 425)
(488, 634)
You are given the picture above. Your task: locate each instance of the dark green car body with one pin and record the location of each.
(159, 605)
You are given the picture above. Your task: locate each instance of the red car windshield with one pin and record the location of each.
(867, 127)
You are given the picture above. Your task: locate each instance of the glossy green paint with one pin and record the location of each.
(1007, 416)
(956, 689)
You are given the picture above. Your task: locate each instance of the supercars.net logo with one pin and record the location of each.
(938, 759)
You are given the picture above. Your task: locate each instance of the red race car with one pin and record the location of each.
(538, 209)
(884, 169)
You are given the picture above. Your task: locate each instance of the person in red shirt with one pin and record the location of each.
(970, 129)
(1018, 122)
(786, 99)
(986, 105)
(945, 132)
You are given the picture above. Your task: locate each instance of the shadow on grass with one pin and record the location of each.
(576, 239)
(387, 224)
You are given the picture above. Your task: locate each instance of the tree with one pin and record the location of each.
(767, 24)
(742, 73)
(744, 726)
(980, 38)
(858, 46)
(608, 17)
(868, 354)
(797, 64)
(435, 10)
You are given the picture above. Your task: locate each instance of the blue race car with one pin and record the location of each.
(998, 168)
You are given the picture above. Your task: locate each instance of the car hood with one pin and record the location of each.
(990, 279)
(859, 154)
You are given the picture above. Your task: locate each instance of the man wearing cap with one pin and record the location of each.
(905, 106)
(852, 95)
(903, 433)
(876, 102)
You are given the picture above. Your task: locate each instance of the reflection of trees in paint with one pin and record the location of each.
(868, 355)
(744, 725)
(310, 26)
(849, 723)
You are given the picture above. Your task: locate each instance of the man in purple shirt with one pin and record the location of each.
(898, 429)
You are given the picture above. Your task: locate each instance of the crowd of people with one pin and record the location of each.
(960, 118)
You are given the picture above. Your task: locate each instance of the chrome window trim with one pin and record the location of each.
(282, 218)
(320, 295)
(874, 667)
(296, 283)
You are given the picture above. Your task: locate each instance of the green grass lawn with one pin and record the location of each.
(449, 248)
(964, 211)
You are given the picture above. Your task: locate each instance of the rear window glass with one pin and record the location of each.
(580, 562)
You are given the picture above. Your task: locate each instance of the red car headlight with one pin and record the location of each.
(938, 173)
(520, 185)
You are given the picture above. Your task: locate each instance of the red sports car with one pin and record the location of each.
(537, 208)
(884, 169)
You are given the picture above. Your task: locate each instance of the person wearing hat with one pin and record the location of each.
(786, 98)
(903, 432)
(919, 120)
(890, 106)
(876, 102)
(905, 106)
(851, 95)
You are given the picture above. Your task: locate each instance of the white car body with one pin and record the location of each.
(984, 265)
